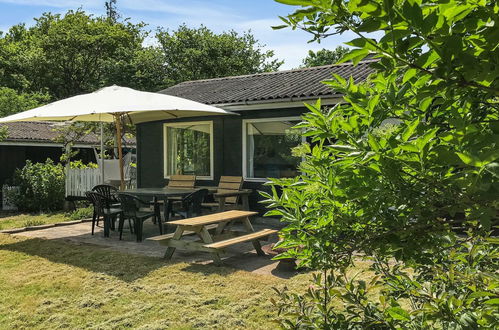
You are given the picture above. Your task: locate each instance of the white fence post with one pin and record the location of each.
(6, 204)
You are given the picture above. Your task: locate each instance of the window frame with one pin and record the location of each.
(165, 147)
(245, 136)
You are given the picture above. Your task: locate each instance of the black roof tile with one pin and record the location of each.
(280, 85)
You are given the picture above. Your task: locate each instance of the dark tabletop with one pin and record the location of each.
(165, 192)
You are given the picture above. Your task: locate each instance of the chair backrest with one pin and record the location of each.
(181, 181)
(98, 201)
(106, 190)
(130, 204)
(230, 184)
(192, 202)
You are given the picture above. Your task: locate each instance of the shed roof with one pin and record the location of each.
(270, 86)
(44, 132)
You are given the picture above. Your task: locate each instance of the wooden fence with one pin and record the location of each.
(78, 181)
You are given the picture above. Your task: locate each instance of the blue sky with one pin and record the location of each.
(218, 15)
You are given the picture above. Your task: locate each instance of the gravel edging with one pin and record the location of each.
(40, 227)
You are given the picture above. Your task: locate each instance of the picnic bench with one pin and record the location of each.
(215, 243)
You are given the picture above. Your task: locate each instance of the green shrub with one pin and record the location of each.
(78, 164)
(456, 289)
(81, 213)
(41, 187)
(394, 194)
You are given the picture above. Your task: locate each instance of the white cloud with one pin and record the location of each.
(56, 3)
(184, 8)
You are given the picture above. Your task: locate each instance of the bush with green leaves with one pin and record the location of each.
(41, 187)
(457, 290)
(79, 164)
(410, 154)
(82, 213)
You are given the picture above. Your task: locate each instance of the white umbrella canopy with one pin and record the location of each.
(111, 103)
(106, 103)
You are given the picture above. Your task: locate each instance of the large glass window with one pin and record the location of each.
(189, 148)
(268, 145)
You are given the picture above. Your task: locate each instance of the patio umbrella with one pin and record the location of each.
(110, 104)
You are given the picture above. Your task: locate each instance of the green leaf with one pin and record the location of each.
(372, 142)
(494, 301)
(422, 141)
(362, 43)
(409, 74)
(398, 314)
(469, 159)
(295, 2)
(427, 59)
(340, 147)
(409, 147)
(409, 130)
(355, 56)
(413, 13)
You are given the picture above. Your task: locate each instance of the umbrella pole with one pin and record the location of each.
(102, 151)
(120, 151)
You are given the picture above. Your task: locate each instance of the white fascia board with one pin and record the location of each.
(41, 144)
(278, 104)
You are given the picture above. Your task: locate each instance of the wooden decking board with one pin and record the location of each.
(240, 239)
(213, 218)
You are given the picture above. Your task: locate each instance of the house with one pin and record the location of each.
(255, 144)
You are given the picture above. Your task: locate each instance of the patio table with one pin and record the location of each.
(163, 194)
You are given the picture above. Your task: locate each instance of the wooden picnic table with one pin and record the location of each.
(215, 243)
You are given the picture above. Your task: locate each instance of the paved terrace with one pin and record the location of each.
(241, 256)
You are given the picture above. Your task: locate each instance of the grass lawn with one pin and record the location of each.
(10, 220)
(53, 284)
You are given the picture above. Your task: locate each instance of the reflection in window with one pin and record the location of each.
(188, 148)
(268, 149)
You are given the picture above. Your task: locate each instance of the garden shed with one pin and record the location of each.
(34, 141)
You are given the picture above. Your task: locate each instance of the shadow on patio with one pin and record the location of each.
(74, 245)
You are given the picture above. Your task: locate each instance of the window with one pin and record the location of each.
(267, 145)
(189, 149)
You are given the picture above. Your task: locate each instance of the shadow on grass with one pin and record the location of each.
(249, 261)
(90, 257)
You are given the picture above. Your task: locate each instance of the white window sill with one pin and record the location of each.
(206, 178)
(262, 180)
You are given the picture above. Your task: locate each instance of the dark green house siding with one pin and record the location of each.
(227, 145)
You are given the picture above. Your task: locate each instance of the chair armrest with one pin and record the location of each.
(234, 193)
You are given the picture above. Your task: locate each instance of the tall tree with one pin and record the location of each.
(76, 53)
(200, 53)
(112, 11)
(12, 101)
(324, 56)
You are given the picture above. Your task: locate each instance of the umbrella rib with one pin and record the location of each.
(171, 114)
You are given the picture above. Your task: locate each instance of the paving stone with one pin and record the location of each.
(241, 256)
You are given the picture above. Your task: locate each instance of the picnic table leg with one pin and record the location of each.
(220, 228)
(206, 237)
(256, 243)
(177, 235)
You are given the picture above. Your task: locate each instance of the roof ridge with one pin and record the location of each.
(270, 73)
